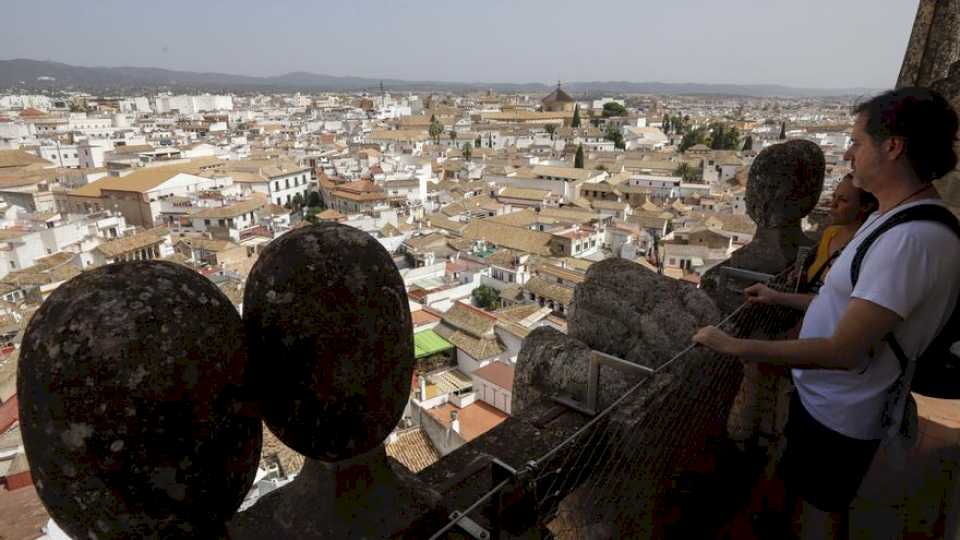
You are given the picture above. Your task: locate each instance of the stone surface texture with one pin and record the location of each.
(663, 428)
(633, 313)
(132, 404)
(784, 183)
(783, 186)
(933, 59)
(330, 340)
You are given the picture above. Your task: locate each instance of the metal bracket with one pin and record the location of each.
(598, 359)
(470, 527)
(742, 274)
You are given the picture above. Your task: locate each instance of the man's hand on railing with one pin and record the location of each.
(717, 340)
(762, 294)
(758, 293)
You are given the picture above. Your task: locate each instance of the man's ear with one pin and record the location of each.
(894, 147)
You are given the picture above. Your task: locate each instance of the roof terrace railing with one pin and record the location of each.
(596, 461)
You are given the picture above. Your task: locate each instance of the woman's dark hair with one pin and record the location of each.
(925, 120)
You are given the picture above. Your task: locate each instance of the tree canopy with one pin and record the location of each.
(693, 137)
(467, 151)
(486, 297)
(576, 116)
(688, 173)
(613, 109)
(578, 159)
(613, 134)
(435, 130)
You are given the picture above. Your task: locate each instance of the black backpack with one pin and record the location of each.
(938, 368)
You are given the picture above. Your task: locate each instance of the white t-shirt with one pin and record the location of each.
(913, 270)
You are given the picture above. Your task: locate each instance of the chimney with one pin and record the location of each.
(455, 421)
(423, 387)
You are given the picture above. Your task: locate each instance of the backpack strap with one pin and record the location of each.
(921, 212)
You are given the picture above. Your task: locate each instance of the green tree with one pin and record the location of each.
(613, 134)
(665, 124)
(716, 136)
(489, 140)
(435, 130)
(578, 159)
(297, 201)
(783, 131)
(748, 143)
(486, 297)
(313, 199)
(688, 173)
(477, 143)
(467, 151)
(576, 116)
(693, 137)
(453, 138)
(613, 109)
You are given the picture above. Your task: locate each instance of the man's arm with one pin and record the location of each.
(795, 300)
(862, 326)
(762, 294)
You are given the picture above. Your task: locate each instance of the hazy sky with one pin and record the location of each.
(809, 43)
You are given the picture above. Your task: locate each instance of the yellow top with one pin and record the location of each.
(823, 251)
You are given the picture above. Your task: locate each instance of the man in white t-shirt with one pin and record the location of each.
(909, 283)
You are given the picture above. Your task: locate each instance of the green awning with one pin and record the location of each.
(428, 342)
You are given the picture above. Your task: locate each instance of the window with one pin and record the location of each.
(288, 183)
(276, 186)
(206, 222)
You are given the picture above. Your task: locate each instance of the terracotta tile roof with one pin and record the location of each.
(19, 158)
(470, 319)
(572, 276)
(559, 95)
(413, 449)
(231, 211)
(421, 318)
(441, 221)
(145, 179)
(498, 373)
(131, 149)
(551, 291)
(426, 243)
(517, 313)
(22, 513)
(291, 460)
(477, 348)
(524, 194)
(263, 170)
(130, 243)
(206, 244)
(567, 173)
(517, 238)
(330, 214)
(475, 419)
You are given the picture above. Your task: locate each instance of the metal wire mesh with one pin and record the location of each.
(610, 478)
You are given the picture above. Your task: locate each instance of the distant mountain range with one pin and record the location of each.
(34, 74)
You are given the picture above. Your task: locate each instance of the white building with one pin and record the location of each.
(280, 180)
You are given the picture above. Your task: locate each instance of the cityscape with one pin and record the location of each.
(492, 201)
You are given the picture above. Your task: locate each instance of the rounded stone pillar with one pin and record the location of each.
(330, 338)
(132, 404)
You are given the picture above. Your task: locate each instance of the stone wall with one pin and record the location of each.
(932, 59)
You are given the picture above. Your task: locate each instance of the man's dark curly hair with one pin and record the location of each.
(924, 119)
